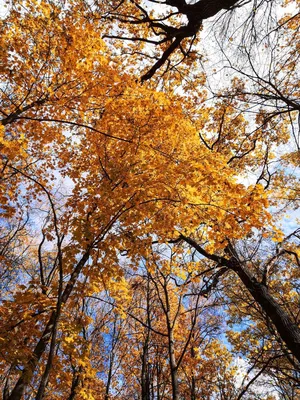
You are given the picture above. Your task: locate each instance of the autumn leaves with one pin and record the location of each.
(99, 174)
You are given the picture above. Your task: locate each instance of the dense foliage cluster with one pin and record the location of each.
(149, 246)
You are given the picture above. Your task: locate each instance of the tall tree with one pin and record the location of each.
(97, 168)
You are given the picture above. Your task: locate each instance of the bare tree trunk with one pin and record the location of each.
(158, 380)
(108, 383)
(145, 382)
(45, 377)
(115, 339)
(6, 389)
(75, 384)
(145, 378)
(171, 344)
(193, 383)
(173, 366)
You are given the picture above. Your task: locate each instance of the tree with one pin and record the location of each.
(97, 168)
(276, 95)
(163, 26)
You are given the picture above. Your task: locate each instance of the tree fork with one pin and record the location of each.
(195, 14)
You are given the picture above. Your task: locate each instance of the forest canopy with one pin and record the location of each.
(149, 190)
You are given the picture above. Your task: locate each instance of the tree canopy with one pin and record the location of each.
(149, 244)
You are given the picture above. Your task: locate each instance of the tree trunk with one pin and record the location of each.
(75, 384)
(158, 384)
(193, 383)
(173, 367)
(145, 382)
(145, 374)
(6, 389)
(108, 383)
(287, 329)
(29, 369)
(31, 365)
